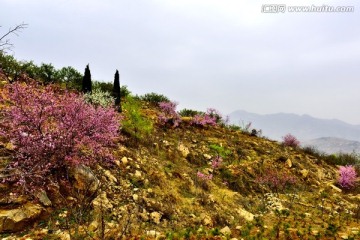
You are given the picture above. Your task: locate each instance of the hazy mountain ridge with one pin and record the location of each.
(326, 134)
(331, 144)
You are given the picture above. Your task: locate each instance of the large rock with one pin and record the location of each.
(155, 217)
(13, 220)
(85, 179)
(225, 231)
(43, 198)
(183, 150)
(248, 216)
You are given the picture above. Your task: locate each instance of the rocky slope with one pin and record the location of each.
(156, 189)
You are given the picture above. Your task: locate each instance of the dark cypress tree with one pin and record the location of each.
(86, 84)
(116, 91)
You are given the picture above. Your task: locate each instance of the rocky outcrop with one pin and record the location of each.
(12, 220)
(85, 180)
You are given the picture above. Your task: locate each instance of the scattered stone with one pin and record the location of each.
(111, 177)
(207, 156)
(335, 188)
(166, 143)
(117, 162)
(344, 236)
(206, 220)
(13, 199)
(144, 215)
(124, 160)
(62, 235)
(248, 216)
(13, 220)
(153, 233)
(320, 174)
(101, 201)
(183, 150)
(43, 198)
(304, 173)
(225, 231)
(355, 230)
(288, 163)
(314, 232)
(135, 197)
(137, 174)
(155, 217)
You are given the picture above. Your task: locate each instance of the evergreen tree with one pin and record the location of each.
(116, 91)
(86, 84)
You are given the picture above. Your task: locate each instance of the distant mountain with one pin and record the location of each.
(304, 127)
(334, 145)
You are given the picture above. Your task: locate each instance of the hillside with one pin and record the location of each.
(167, 182)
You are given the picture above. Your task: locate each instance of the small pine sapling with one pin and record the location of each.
(116, 91)
(86, 83)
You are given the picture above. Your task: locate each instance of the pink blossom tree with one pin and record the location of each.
(347, 176)
(290, 140)
(168, 114)
(53, 131)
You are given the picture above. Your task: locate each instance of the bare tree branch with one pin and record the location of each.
(5, 43)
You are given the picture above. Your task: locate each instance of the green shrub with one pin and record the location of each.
(220, 150)
(234, 127)
(135, 124)
(154, 98)
(189, 113)
(342, 159)
(311, 150)
(108, 87)
(124, 91)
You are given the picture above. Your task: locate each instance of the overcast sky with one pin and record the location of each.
(208, 53)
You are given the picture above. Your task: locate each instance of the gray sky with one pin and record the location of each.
(209, 53)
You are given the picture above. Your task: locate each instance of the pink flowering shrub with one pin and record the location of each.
(290, 141)
(168, 114)
(52, 131)
(212, 117)
(347, 176)
(204, 177)
(216, 162)
(276, 180)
